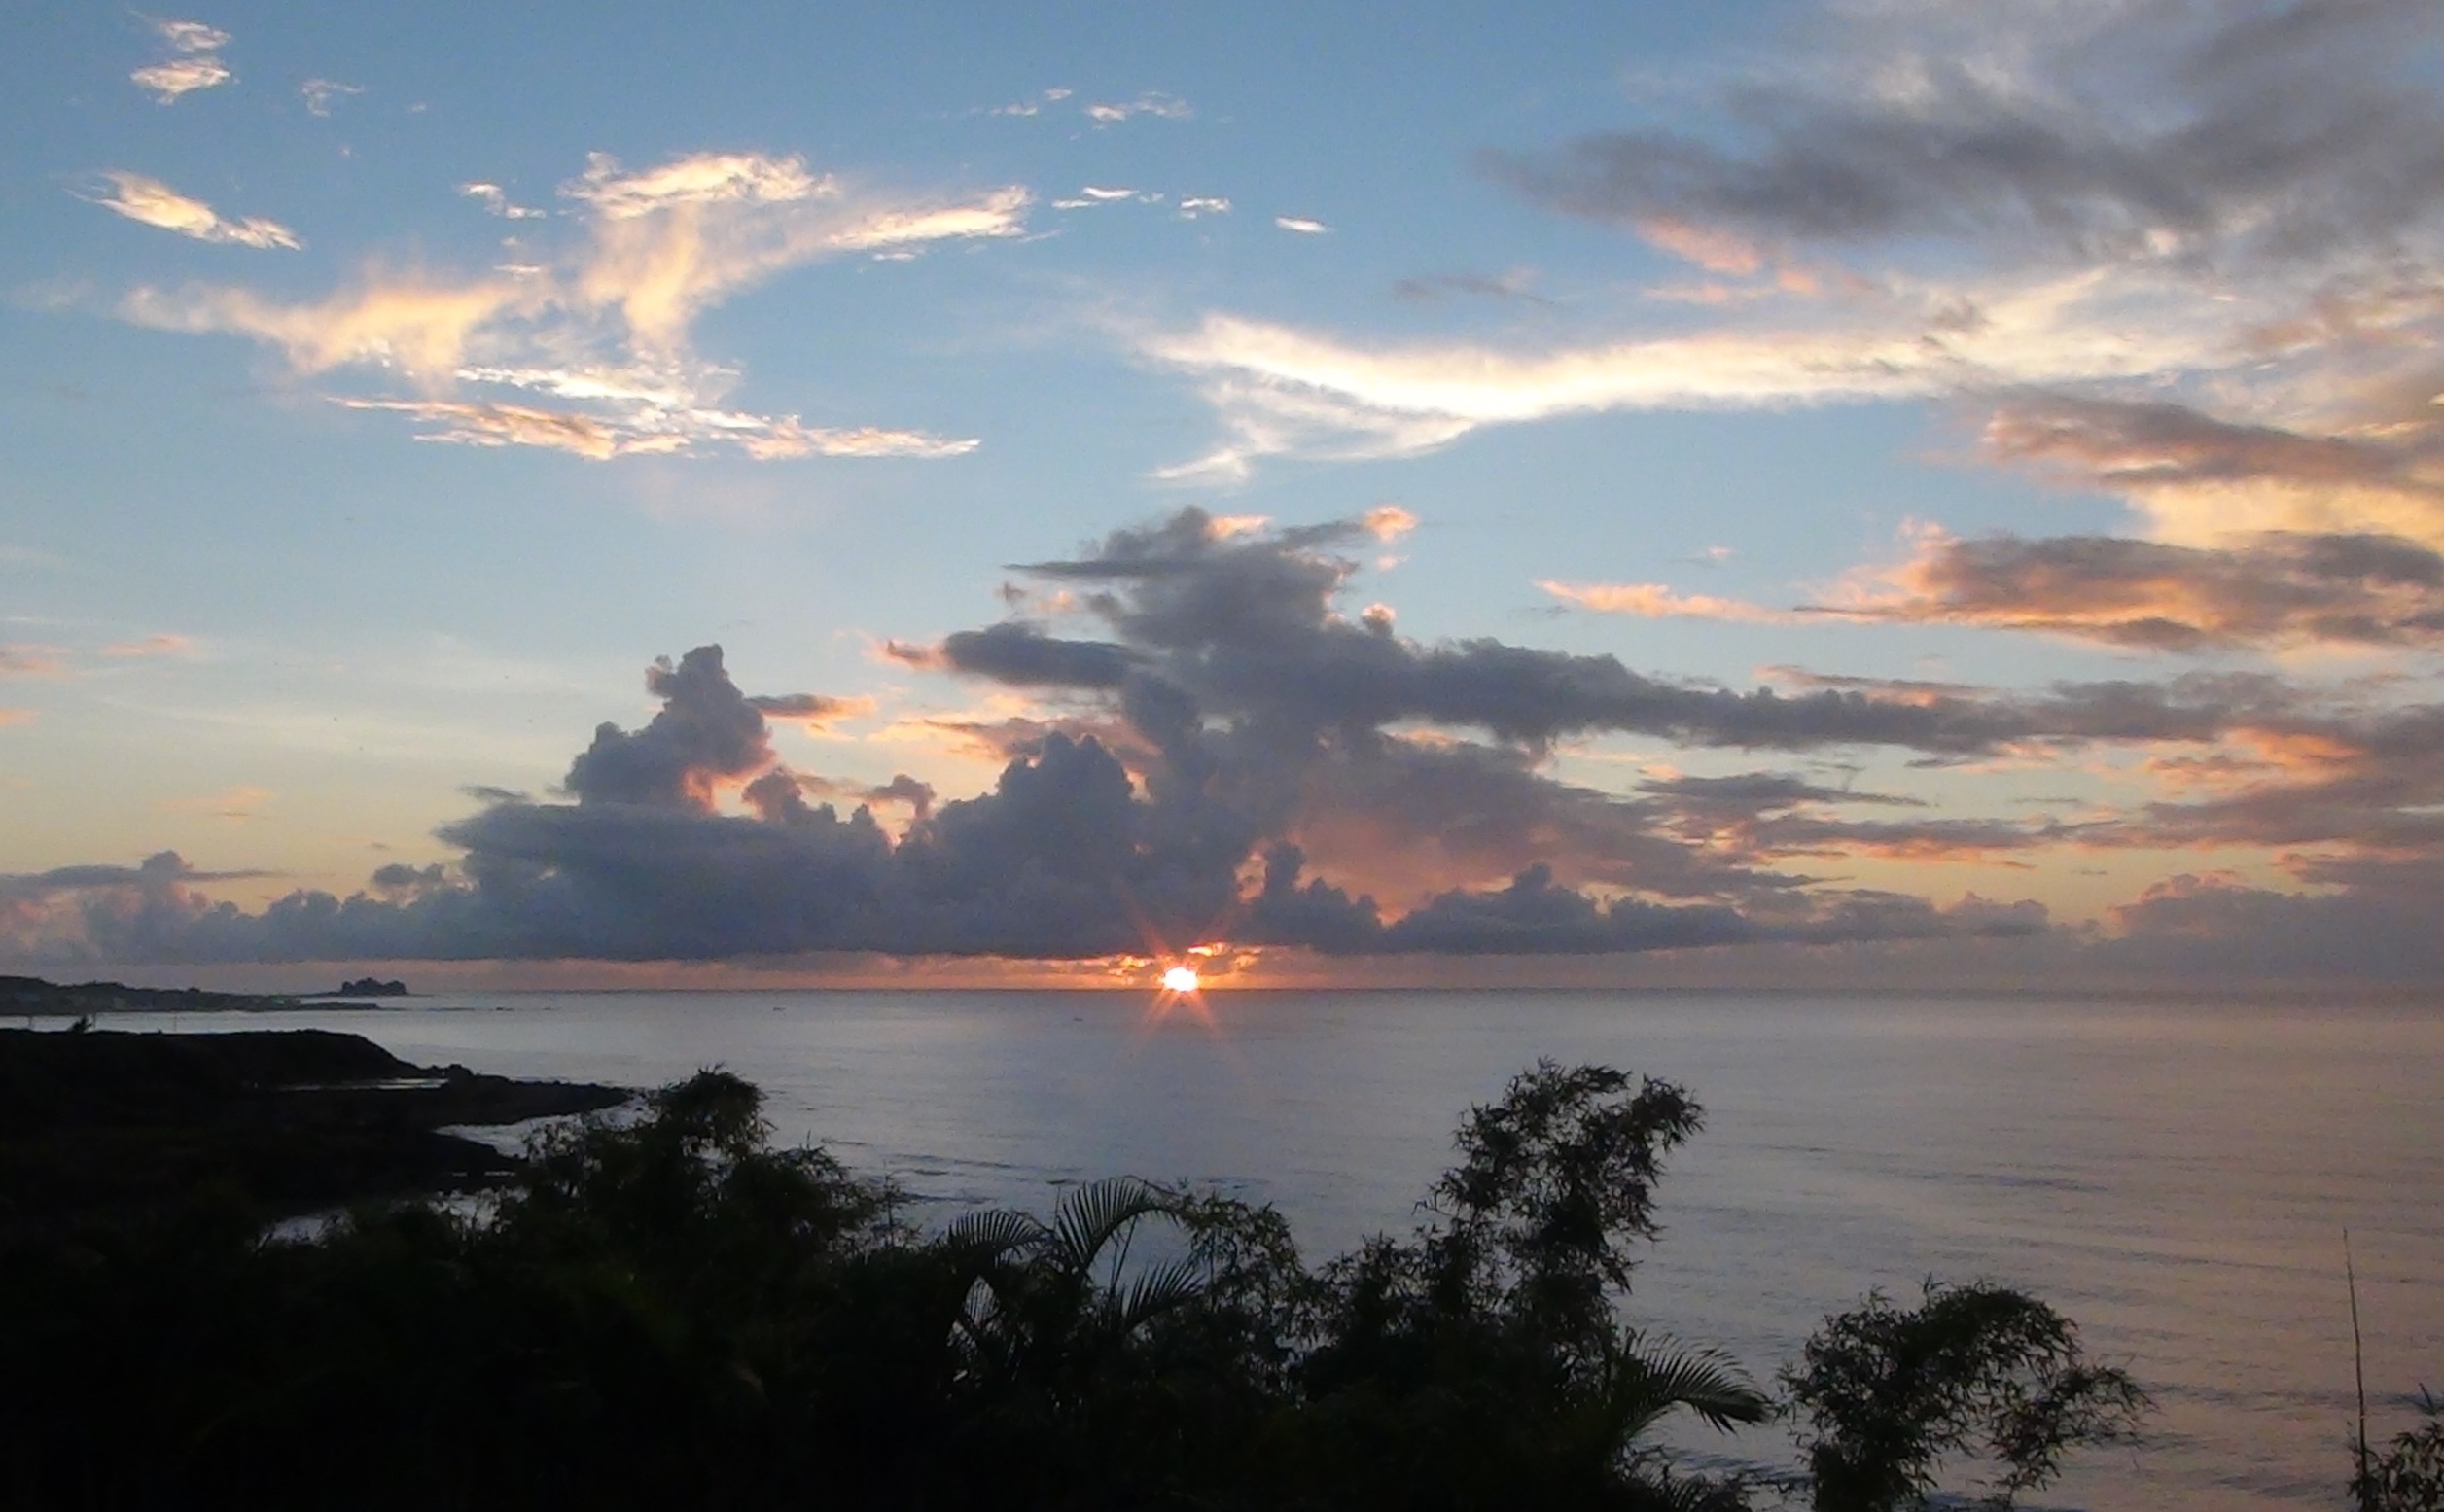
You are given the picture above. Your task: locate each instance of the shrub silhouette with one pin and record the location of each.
(1888, 1395)
(669, 1314)
(2409, 1476)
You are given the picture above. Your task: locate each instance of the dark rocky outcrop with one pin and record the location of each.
(103, 1124)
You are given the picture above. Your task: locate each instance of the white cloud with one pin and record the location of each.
(1301, 225)
(197, 65)
(496, 199)
(699, 179)
(181, 76)
(1284, 390)
(1203, 204)
(1165, 107)
(1031, 107)
(152, 202)
(321, 95)
(191, 36)
(648, 429)
(1094, 194)
(589, 351)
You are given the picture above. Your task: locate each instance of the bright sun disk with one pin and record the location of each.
(1180, 978)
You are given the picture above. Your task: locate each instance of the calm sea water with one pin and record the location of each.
(2176, 1178)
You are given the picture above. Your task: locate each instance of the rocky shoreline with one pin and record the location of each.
(107, 1126)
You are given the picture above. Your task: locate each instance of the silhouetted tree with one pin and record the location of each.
(1889, 1395)
(665, 1312)
(2409, 1476)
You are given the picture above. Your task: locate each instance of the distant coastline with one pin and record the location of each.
(32, 997)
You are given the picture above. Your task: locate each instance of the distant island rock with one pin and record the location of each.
(369, 987)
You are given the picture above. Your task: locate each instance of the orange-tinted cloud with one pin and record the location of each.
(1655, 601)
(2268, 590)
(589, 351)
(151, 202)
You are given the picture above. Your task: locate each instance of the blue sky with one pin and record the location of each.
(382, 394)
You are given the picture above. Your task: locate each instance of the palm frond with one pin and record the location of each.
(1648, 1382)
(1091, 1215)
(982, 1238)
(1157, 1292)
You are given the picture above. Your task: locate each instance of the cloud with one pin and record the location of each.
(2185, 254)
(652, 431)
(31, 661)
(158, 645)
(322, 94)
(1095, 194)
(1655, 601)
(2385, 924)
(496, 199)
(1281, 390)
(2271, 591)
(181, 76)
(1027, 107)
(2202, 479)
(813, 711)
(1195, 205)
(1251, 727)
(151, 202)
(699, 179)
(2096, 130)
(1517, 284)
(1231, 753)
(194, 65)
(590, 352)
(1164, 107)
(1301, 225)
(8, 716)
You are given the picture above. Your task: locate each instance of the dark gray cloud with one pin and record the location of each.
(2273, 589)
(2385, 924)
(1246, 628)
(1242, 716)
(706, 730)
(163, 866)
(2255, 129)
(1230, 721)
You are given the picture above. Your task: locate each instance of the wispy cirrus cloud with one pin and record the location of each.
(194, 62)
(163, 643)
(32, 660)
(588, 348)
(38, 659)
(1032, 106)
(2137, 207)
(1421, 288)
(1154, 103)
(1092, 195)
(323, 96)
(1655, 601)
(151, 202)
(495, 199)
(1303, 226)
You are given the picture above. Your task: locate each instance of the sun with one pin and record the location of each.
(1179, 979)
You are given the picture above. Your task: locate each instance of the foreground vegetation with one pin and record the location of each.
(671, 1313)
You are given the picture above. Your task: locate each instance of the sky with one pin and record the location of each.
(1767, 493)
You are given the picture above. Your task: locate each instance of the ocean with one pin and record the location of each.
(2176, 1177)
